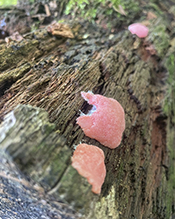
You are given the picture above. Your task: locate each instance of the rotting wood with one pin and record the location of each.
(21, 198)
(137, 176)
(119, 74)
(42, 153)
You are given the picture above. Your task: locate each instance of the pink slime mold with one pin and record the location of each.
(106, 120)
(139, 29)
(88, 160)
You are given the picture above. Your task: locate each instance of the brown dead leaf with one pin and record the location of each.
(60, 29)
(146, 23)
(14, 37)
(151, 49)
(120, 10)
(151, 15)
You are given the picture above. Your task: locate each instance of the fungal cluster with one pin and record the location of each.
(105, 123)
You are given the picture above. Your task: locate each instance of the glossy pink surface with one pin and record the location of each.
(105, 124)
(88, 160)
(139, 29)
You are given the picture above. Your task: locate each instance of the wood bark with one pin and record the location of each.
(21, 198)
(44, 73)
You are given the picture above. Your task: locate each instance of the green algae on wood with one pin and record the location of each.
(106, 206)
(169, 110)
(74, 189)
(159, 36)
(31, 141)
(31, 47)
(10, 76)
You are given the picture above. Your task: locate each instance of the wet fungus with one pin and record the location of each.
(106, 120)
(139, 29)
(88, 160)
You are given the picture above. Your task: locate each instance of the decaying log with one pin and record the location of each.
(21, 198)
(50, 74)
(41, 153)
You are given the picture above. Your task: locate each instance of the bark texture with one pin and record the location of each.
(44, 73)
(23, 199)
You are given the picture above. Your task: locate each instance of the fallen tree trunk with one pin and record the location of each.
(51, 74)
(23, 199)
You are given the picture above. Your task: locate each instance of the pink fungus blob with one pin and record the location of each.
(88, 160)
(139, 29)
(105, 122)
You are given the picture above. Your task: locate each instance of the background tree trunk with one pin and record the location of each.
(44, 73)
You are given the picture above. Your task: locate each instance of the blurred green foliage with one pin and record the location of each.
(90, 8)
(8, 2)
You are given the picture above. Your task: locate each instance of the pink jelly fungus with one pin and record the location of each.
(139, 29)
(88, 160)
(105, 122)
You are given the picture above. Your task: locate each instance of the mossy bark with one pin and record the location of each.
(139, 73)
(21, 198)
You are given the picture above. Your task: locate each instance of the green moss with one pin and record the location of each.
(75, 189)
(159, 38)
(155, 8)
(171, 181)
(14, 74)
(131, 6)
(169, 104)
(169, 110)
(89, 9)
(107, 206)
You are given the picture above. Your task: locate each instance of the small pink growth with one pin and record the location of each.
(139, 29)
(105, 124)
(88, 160)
